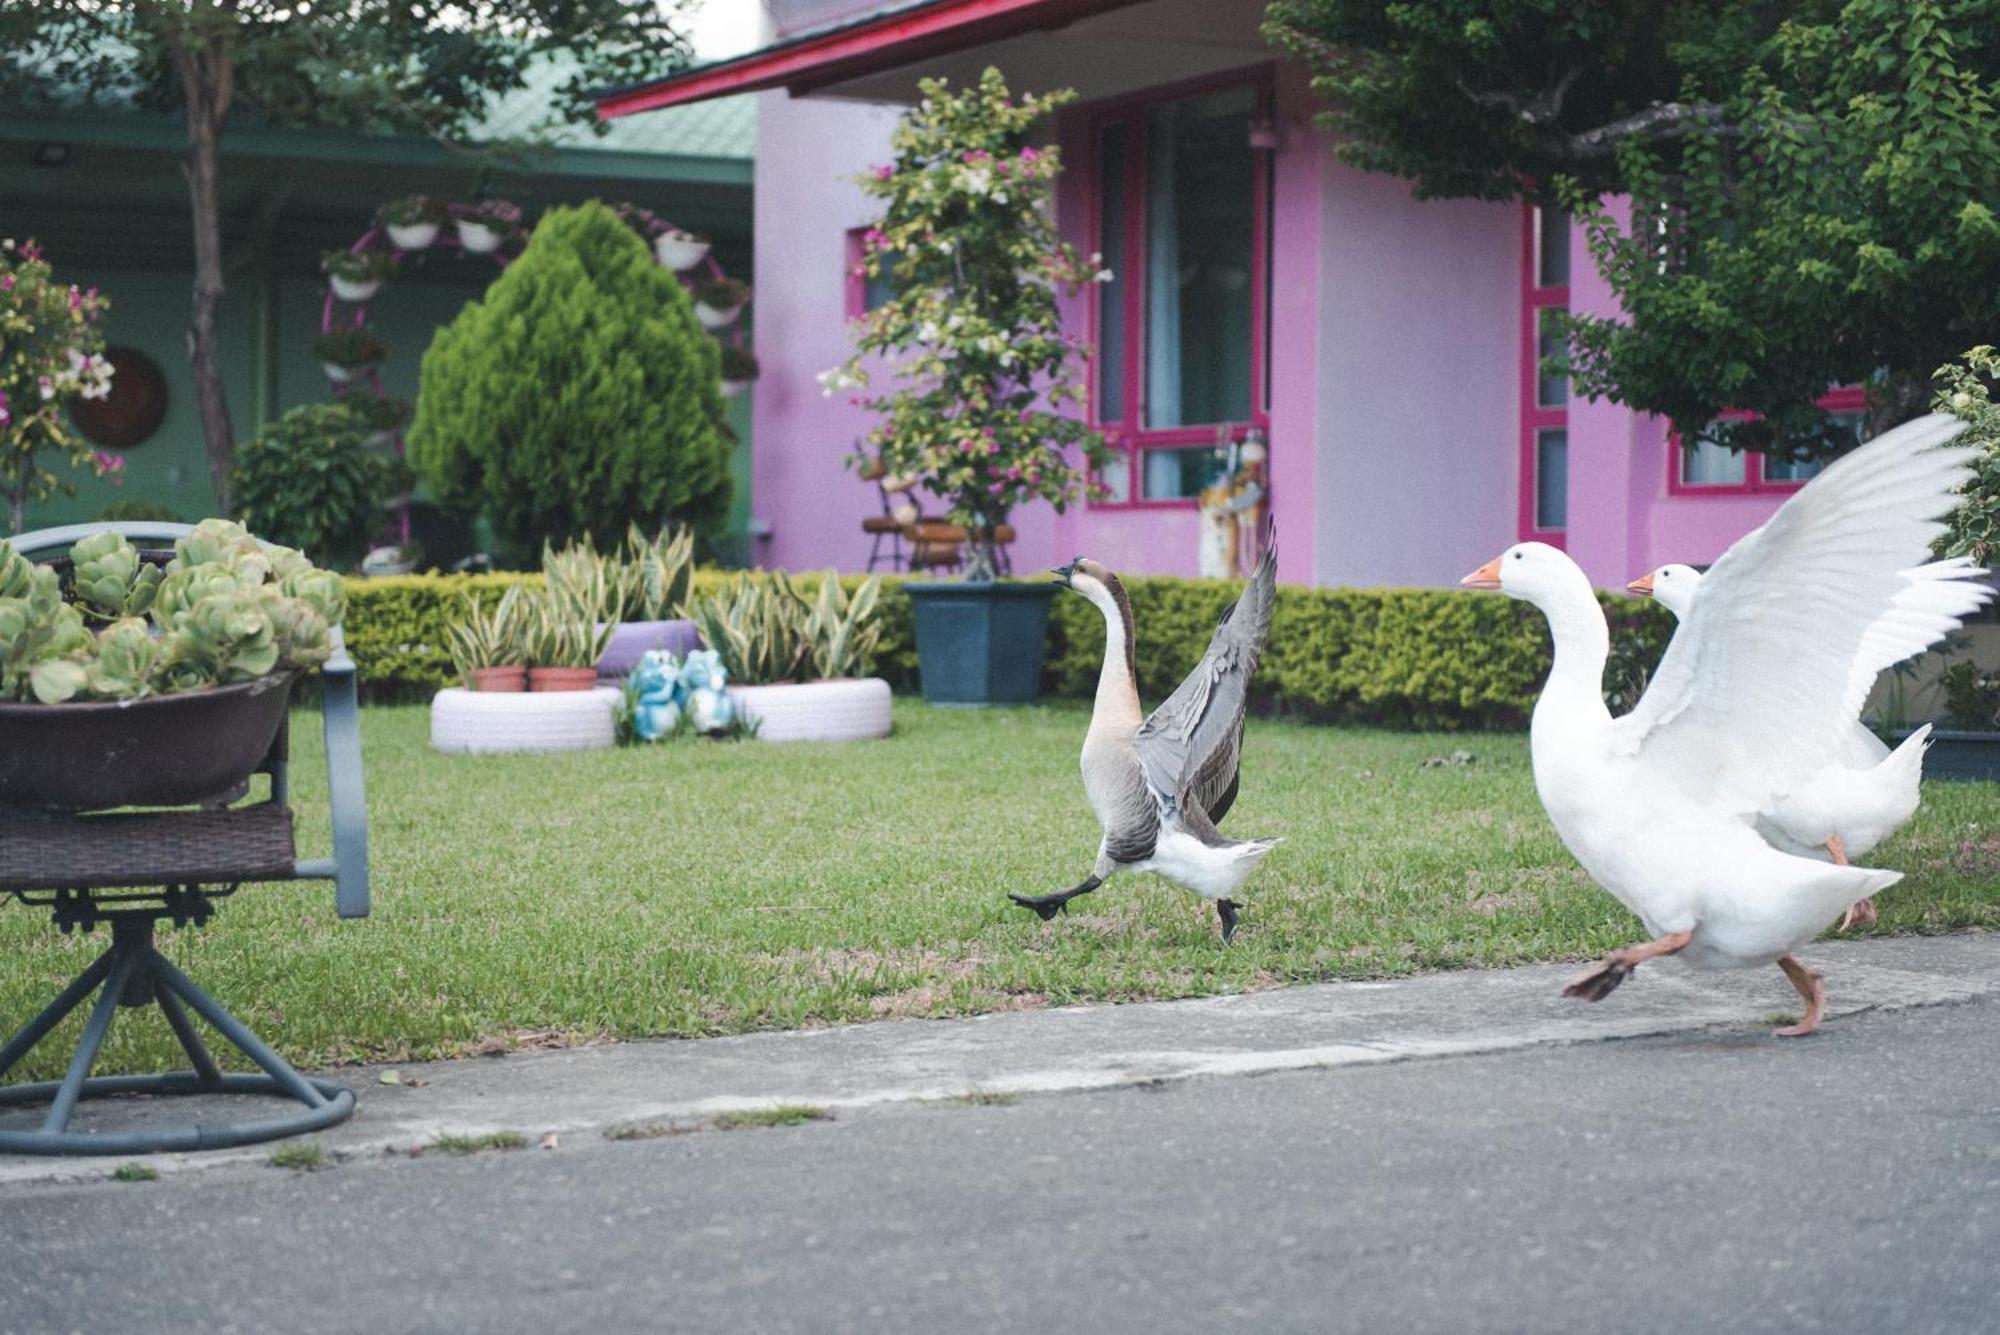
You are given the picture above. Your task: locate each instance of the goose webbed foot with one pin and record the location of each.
(1811, 988)
(1047, 906)
(1601, 983)
(1861, 913)
(1225, 909)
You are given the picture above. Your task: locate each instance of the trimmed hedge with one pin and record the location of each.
(1416, 658)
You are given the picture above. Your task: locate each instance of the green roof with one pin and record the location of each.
(724, 128)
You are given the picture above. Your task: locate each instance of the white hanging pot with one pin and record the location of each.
(413, 236)
(477, 237)
(731, 388)
(339, 375)
(354, 289)
(679, 252)
(712, 318)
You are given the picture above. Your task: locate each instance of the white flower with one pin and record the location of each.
(1102, 276)
(1961, 402)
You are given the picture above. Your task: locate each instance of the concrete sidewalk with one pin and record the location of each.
(592, 1090)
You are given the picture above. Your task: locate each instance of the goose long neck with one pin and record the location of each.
(1582, 645)
(1118, 679)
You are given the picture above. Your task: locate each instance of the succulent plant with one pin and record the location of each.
(42, 642)
(304, 637)
(225, 637)
(212, 541)
(323, 589)
(184, 589)
(16, 571)
(110, 578)
(121, 666)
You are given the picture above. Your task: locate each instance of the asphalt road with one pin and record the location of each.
(1710, 1181)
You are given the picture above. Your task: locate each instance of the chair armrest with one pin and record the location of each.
(341, 707)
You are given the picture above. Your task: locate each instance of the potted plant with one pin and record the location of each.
(483, 225)
(739, 368)
(346, 350)
(653, 576)
(128, 679)
(988, 409)
(380, 416)
(680, 249)
(54, 355)
(1968, 746)
(485, 643)
(356, 275)
(568, 623)
(796, 666)
(413, 221)
(717, 303)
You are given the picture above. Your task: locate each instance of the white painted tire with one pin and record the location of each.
(847, 710)
(488, 722)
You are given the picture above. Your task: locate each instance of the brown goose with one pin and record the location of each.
(1161, 786)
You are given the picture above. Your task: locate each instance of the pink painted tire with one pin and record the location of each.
(848, 710)
(491, 722)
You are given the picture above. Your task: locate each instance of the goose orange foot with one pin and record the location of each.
(1811, 989)
(1619, 964)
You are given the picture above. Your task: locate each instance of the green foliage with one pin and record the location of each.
(768, 628)
(1965, 387)
(351, 346)
(656, 572)
(1813, 186)
(51, 352)
(311, 481)
(1971, 697)
(578, 396)
(225, 610)
(133, 509)
(358, 266)
(974, 330)
(484, 637)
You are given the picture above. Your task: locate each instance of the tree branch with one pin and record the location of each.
(1661, 121)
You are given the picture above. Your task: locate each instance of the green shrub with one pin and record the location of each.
(578, 396)
(1421, 658)
(310, 481)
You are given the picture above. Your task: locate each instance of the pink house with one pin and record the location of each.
(1385, 347)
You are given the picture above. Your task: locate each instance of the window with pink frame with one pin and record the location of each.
(1706, 469)
(864, 293)
(1544, 495)
(1180, 214)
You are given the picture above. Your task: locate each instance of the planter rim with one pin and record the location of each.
(991, 588)
(255, 686)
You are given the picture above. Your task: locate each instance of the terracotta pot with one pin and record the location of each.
(500, 679)
(561, 678)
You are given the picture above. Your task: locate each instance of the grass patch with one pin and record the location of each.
(301, 1156)
(135, 1172)
(492, 1140)
(651, 1130)
(985, 1098)
(692, 890)
(785, 1114)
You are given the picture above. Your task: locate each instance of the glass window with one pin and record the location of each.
(1200, 230)
(1112, 151)
(1551, 247)
(1848, 423)
(1181, 474)
(1551, 391)
(877, 289)
(1551, 478)
(1707, 464)
(1116, 475)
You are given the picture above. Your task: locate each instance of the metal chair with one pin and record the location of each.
(132, 870)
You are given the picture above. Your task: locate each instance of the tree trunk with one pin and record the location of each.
(207, 75)
(1903, 398)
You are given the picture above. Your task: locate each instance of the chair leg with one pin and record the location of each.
(184, 1030)
(232, 1029)
(94, 1031)
(52, 1015)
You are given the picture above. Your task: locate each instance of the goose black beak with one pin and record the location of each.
(1062, 573)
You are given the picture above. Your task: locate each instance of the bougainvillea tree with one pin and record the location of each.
(51, 351)
(973, 334)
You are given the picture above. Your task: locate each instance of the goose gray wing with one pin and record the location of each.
(1189, 748)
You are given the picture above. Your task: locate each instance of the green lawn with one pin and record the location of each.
(702, 888)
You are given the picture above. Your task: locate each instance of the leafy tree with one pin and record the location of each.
(382, 66)
(309, 480)
(1812, 185)
(974, 331)
(580, 395)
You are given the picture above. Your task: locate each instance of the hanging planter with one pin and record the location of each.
(381, 417)
(739, 368)
(413, 222)
(356, 275)
(345, 352)
(484, 226)
(679, 250)
(717, 304)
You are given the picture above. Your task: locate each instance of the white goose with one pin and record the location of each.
(1752, 699)
(1868, 792)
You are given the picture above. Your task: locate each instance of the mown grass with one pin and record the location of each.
(697, 888)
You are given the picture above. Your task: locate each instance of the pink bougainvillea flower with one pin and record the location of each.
(884, 172)
(107, 462)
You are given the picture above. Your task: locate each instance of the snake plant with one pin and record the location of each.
(766, 630)
(657, 572)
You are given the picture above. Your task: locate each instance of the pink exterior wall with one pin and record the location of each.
(1622, 521)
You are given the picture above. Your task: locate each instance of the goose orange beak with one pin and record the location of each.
(1643, 586)
(1486, 577)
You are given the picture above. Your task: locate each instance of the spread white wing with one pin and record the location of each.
(1794, 622)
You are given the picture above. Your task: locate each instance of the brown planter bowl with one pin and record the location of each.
(562, 678)
(168, 750)
(500, 679)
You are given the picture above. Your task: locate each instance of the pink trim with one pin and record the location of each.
(1534, 417)
(857, 47)
(1848, 399)
(1129, 433)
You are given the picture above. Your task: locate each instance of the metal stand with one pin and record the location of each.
(134, 973)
